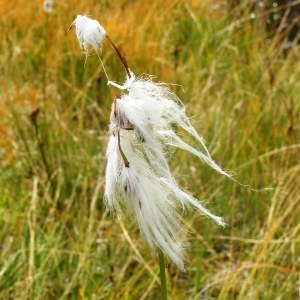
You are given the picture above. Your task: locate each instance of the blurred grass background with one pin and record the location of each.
(240, 85)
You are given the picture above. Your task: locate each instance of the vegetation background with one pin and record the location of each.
(236, 69)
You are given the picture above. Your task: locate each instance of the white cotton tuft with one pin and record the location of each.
(89, 33)
(48, 6)
(142, 125)
(153, 110)
(145, 197)
(112, 172)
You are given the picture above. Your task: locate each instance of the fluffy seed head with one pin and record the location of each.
(89, 32)
(144, 118)
(48, 6)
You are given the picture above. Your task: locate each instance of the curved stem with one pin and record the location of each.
(162, 269)
(125, 160)
(122, 58)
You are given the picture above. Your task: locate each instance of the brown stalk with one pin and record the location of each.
(122, 58)
(33, 117)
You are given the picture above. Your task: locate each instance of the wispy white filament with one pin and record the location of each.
(142, 124)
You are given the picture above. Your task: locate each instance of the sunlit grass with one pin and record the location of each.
(57, 241)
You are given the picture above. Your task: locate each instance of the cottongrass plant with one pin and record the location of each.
(138, 178)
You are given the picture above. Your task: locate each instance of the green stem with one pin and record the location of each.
(162, 269)
(125, 160)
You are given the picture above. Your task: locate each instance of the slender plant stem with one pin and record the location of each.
(122, 58)
(162, 269)
(33, 117)
(125, 160)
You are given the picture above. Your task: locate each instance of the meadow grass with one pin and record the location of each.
(57, 239)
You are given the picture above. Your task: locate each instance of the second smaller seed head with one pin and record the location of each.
(89, 32)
